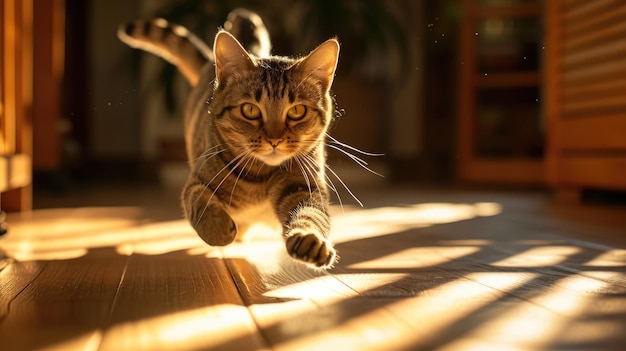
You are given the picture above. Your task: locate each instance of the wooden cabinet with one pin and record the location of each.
(31, 73)
(586, 95)
(16, 19)
(501, 131)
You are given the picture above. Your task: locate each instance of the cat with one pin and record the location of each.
(255, 128)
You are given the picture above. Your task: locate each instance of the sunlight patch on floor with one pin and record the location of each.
(53, 235)
(366, 223)
(417, 257)
(380, 329)
(464, 295)
(611, 258)
(377, 330)
(160, 238)
(540, 256)
(87, 342)
(571, 295)
(533, 325)
(323, 287)
(195, 329)
(46, 237)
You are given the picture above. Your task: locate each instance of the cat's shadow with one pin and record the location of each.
(272, 277)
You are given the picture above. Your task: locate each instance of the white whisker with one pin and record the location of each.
(209, 153)
(245, 165)
(345, 186)
(304, 173)
(353, 148)
(311, 165)
(357, 160)
(236, 160)
(240, 159)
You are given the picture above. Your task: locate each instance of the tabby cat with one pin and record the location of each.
(255, 128)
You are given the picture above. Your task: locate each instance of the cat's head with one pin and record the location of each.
(273, 108)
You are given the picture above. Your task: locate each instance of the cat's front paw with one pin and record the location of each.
(214, 225)
(312, 249)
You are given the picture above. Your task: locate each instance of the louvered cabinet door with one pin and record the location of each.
(586, 86)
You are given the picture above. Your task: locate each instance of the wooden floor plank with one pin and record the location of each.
(66, 305)
(311, 311)
(177, 301)
(14, 278)
(433, 269)
(543, 276)
(440, 293)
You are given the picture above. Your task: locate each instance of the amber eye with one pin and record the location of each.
(297, 112)
(250, 111)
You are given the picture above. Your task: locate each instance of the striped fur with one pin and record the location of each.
(257, 151)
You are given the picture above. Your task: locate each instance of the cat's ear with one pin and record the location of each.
(322, 62)
(230, 56)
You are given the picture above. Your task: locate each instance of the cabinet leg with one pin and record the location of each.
(16, 200)
(572, 196)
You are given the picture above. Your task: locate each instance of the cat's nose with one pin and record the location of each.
(274, 141)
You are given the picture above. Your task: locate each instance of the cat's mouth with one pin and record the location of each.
(273, 157)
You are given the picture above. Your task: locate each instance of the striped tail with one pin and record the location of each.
(250, 31)
(172, 42)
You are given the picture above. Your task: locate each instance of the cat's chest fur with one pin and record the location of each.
(256, 217)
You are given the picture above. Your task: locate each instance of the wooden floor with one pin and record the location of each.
(420, 269)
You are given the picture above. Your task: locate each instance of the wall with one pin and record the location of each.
(113, 95)
(125, 123)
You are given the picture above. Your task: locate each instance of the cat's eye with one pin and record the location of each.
(250, 111)
(296, 112)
